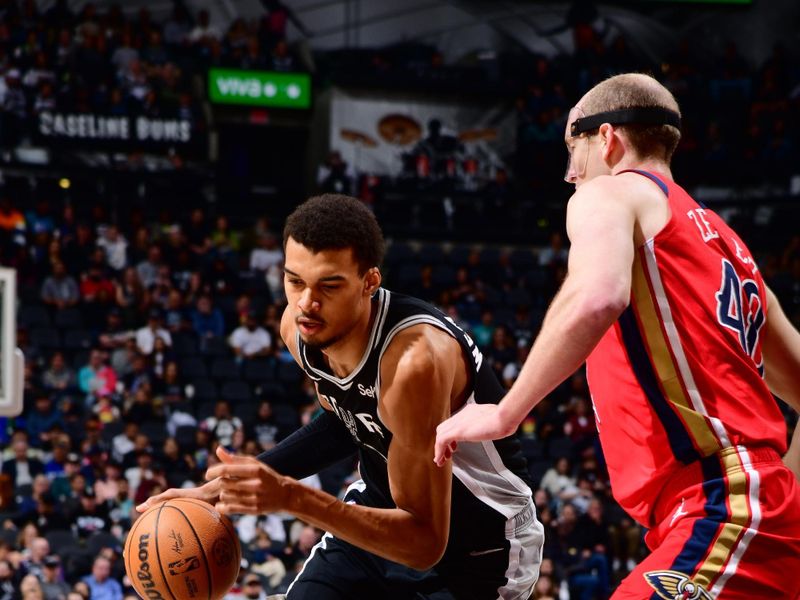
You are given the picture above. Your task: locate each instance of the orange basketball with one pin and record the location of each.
(182, 549)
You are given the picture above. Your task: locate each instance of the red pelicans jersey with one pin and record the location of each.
(679, 376)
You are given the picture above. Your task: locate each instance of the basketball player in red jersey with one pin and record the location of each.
(685, 346)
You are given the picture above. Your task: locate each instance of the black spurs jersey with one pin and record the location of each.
(490, 479)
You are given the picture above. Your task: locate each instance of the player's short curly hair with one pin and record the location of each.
(336, 222)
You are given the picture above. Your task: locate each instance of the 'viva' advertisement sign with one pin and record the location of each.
(259, 88)
(114, 128)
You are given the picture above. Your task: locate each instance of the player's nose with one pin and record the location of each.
(307, 303)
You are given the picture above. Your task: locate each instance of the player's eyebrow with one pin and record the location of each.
(328, 278)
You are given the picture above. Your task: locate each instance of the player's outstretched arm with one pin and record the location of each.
(781, 349)
(417, 373)
(600, 225)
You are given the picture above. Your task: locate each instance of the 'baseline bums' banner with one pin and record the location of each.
(109, 128)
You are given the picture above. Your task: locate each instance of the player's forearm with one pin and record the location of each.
(393, 533)
(317, 445)
(572, 327)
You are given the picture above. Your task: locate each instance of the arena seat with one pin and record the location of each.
(236, 392)
(68, 318)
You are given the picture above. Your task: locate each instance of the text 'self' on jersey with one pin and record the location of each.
(490, 483)
(680, 375)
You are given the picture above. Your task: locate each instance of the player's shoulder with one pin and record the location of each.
(419, 349)
(625, 192)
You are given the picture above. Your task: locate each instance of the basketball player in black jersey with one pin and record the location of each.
(388, 369)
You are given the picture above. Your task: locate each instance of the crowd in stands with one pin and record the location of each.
(104, 61)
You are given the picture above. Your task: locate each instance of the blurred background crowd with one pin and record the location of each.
(149, 308)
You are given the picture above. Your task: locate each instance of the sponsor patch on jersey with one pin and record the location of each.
(672, 585)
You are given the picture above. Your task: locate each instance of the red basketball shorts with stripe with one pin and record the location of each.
(729, 529)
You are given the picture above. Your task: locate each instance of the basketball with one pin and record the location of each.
(182, 548)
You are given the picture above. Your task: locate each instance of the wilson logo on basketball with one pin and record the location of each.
(143, 573)
(184, 565)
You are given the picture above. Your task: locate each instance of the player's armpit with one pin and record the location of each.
(792, 457)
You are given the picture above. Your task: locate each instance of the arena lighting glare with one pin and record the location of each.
(64, 183)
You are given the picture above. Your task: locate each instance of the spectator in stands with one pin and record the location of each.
(555, 253)
(12, 222)
(62, 486)
(277, 17)
(178, 26)
(58, 378)
(13, 104)
(281, 58)
(54, 467)
(253, 588)
(90, 517)
(113, 338)
(53, 585)
(558, 481)
(250, 340)
(44, 417)
(123, 443)
(264, 428)
(8, 580)
(148, 269)
(224, 240)
(204, 32)
(101, 586)
(298, 553)
(47, 514)
(106, 487)
(146, 336)
(197, 234)
(60, 290)
(30, 588)
(114, 245)
(39, 219)
(502, 349)
(33, 564)
(131, 296)
(96, 287)
(267, 260)
(175, 463)
(141, 409)
(221, 425)
(207, 321)
(334, 175)
(22, 468)
(96, 378)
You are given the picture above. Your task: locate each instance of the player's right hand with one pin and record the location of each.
(208, 492)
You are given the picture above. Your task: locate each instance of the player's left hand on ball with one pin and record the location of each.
(247, 486)
(473, 423)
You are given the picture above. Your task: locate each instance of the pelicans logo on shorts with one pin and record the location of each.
(672, 585)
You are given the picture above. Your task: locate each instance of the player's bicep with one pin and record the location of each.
(415, 398)
(601, 233)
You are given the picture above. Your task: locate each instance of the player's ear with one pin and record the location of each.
(610, 141)
(372, 281)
